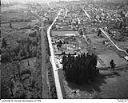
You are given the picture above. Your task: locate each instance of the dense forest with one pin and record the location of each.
(80, 69)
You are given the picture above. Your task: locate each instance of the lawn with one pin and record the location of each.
(106, 52)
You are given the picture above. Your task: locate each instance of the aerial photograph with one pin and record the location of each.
(64, 49)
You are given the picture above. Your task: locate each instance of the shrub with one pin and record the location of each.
(4, 43)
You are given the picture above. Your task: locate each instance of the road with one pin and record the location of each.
(52, 59)
(107, 36)
(119, 49)
(113, 42)
(87, 14)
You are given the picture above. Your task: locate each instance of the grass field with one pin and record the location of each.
(14, 7)
(112, 85)
(15, 15)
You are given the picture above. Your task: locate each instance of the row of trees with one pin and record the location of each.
(80, 69)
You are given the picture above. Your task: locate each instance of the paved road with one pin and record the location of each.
(55, 71)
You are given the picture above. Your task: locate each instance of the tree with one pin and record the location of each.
(99, 32)
(80, 31)
(59, 44)
(127, 50)
(10, 24)
(84, 31)
(112, 64)
(122, 14)
(4, 43)
(80, 69)
(120, 25)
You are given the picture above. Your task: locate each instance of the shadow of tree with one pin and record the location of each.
(112, 74)
(89, 87)
(94, 87)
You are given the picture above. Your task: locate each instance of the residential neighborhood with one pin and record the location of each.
(64, 50)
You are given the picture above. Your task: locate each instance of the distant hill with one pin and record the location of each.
(116, 0)
(119, 1)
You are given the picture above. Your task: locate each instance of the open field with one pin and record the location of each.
(106, 52)
(14, 7)
(15, 16)
(111, 86)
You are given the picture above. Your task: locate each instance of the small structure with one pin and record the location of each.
(126, 57)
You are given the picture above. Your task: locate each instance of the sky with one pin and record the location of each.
(31, 0)
(45, 1)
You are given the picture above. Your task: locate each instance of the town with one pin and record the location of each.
(65, 50)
